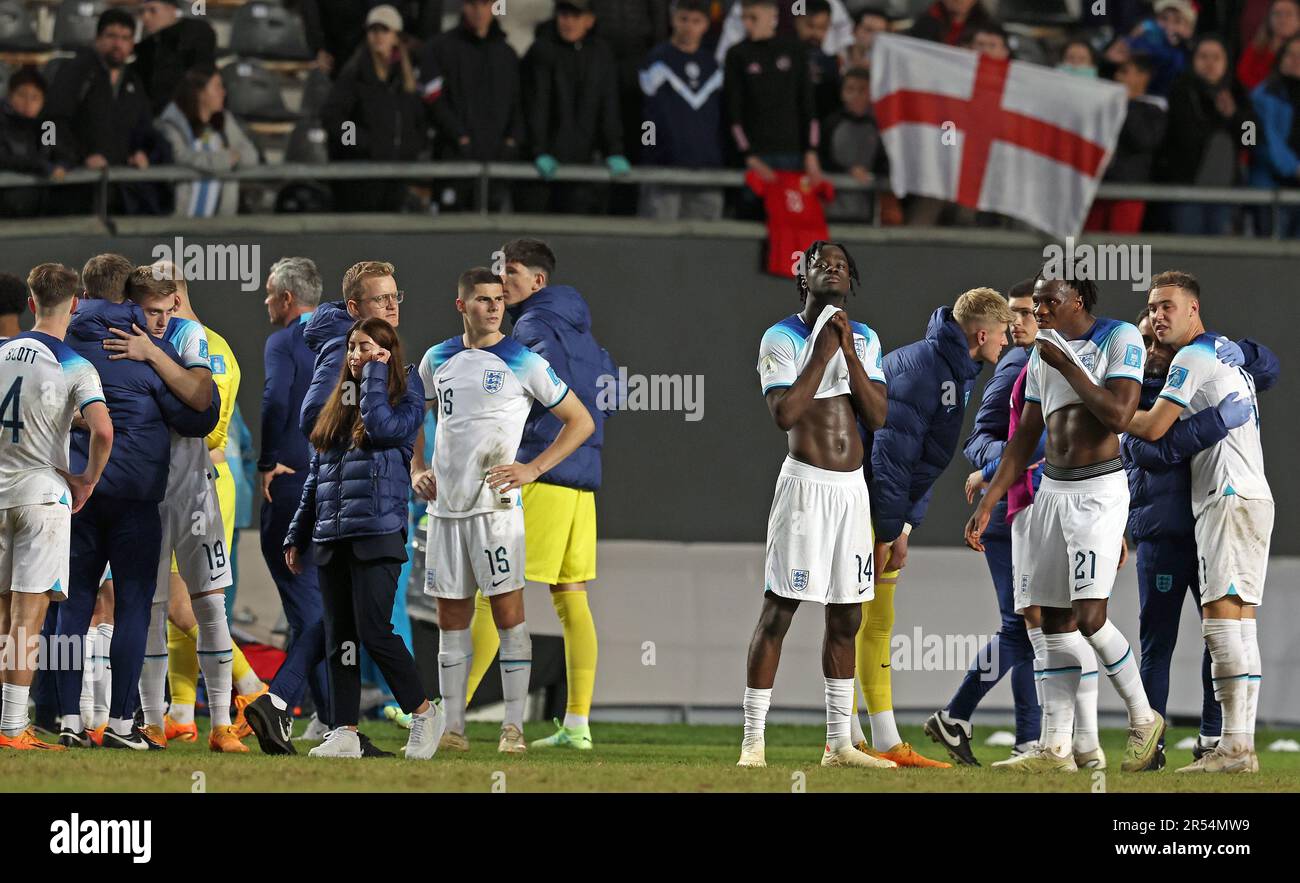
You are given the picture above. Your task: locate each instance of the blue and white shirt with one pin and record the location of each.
(1198, 381)
(43, 383)
(481, 398)
(1110, 349)
(780, 357)
(190, 461)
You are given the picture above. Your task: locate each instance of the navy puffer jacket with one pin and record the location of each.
(362, 492)
(326, 335)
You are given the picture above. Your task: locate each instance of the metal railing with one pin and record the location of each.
(485, 173)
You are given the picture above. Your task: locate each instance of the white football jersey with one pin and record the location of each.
(1198, 381)
(189, 456)
(1110, 349)
(43, 383)
(482, 398)
(781, 356)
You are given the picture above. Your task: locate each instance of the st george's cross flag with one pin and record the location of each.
(999, 136)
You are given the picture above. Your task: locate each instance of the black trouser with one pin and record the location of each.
(358, 582)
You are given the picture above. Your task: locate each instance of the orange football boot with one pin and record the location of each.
(224, 741)
(28, 741)
(242, 729)
(905, 755)
(156, 735)
(96, 735)
(180, 732)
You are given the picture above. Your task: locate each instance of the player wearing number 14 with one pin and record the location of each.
(482, 386)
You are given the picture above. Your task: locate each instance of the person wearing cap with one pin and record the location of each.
(571, 106)
(374, 112)
(335, 28)
(172, 45)
(1167, 39)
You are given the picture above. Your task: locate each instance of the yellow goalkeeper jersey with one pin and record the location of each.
(225, 372)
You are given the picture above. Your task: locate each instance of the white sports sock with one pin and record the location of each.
(839, 708)
(13, 720)
(856, 736)
(455, 654)
(216, 654)
(1121, 664)
(574, 721)
(1039, 644)
(89, 672)
(181, 714)
(104, 685)
(1062, 668)
(884, 731)
(153, 673)
(121, 725)
(71, 722)
(1085, 700)
(1228, 670)
(249, 684)
(279, 703)
(516, 668)
(1255, 668)
(757, 702)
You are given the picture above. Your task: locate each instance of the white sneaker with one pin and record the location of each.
(316, 730)
(512, 740)
(753, 752)
(1090, 760)
(853, 757)
(342, 742)
(426, 732)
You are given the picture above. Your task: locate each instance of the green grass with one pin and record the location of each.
(627, 757)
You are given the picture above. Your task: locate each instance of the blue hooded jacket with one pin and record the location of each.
(289, 370)
(555, 323)
(141, 407)
(326, 335)
(929, 385)
(1159, 472)
(363, 492)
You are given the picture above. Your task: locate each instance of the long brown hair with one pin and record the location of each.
(339, 423)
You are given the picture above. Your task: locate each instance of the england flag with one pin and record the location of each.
(1009, 137)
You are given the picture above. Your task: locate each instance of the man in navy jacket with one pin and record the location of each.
(1160, 518)
(930, 383)
(120, 524)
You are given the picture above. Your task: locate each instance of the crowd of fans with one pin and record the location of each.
(699, 84)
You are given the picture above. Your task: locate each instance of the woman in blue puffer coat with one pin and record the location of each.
(352, 520)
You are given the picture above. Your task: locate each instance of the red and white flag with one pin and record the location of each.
(1009, 137)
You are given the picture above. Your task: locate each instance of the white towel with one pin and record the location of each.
(835, 379)
(1053, 337)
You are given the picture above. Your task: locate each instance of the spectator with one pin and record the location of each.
(1207, 113)
(204, 137)
(13, 302)
(770, 104)
(838, 38)
(101, 114)
(335, 29)
(682, 82)
(988, 39)
(21, 145)
(950, 21)
(823, 68)
(374, 112)
(632, 28)
(172, 46)
(470, 81)
(1079, 58)
(1257, 59)
(1141, 136)
(853, 146)
(1276, 159)
(1166, 38)
(571, 105)
(866, 25)
(1143, 132)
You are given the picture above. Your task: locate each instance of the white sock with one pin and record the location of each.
(279, 703)
(516, 667)
(153, 673)
(1062, 668)
(1121, 664)
(1228, 670)
(89, 672)
(856, 736)
(13, 720)
(104, 684)
(884, 731)
(71, 722)
(757, 702)
(216, 654)
(181, 714)
(1255, 667)
(455, 654)
(949, 719)
(839, 708)
(574, 721)
(1085, 700)
(1040, 653)
(121, 725)
(249, 684)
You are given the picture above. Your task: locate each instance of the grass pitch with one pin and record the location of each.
(627, 757)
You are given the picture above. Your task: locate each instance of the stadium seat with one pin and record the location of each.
(1024, 48)
(253, 93)
(6, 71)
(307, 143)
(1037, 12)
(315, 91)
(263, 30)
(18, 28)
(51, 68)
(74, 22)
